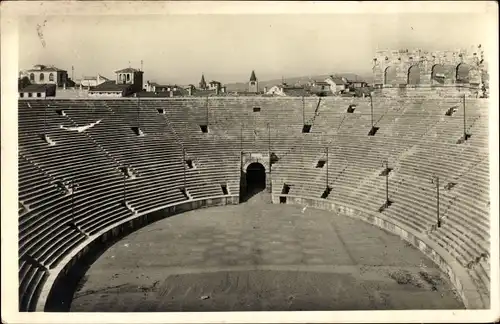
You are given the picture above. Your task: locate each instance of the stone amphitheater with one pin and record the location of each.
(96, 173)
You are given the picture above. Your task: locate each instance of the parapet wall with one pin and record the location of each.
(393, 67)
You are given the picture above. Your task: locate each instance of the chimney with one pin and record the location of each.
(171, 93)
(265, 89)
(190, 90)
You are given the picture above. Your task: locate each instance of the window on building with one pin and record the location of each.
(21, 95)
(32, 77)
(30, 94)
(42, 77)
(51, 77)
(128, 77)
(38, 94)
(252, 83)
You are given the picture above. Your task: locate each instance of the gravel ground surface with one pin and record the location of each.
(259, 256)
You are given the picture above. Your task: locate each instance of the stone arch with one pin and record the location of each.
(390, 75)
(257, 170)
(438, 74)
(254, 179)
(413, 75)
(475, 76)
(462, 73)
(252, 160)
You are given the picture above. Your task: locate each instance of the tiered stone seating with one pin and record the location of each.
(354, 180)
(466, 217)
(352, 160)
(35, 186)
(44, 234)
(155, 160)
(235, 127)
(200, 181)
(31, 280)
(415, 137)
(185, 118)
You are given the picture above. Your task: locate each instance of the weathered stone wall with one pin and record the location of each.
(391, 67)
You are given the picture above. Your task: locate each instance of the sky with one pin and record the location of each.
(178, 48)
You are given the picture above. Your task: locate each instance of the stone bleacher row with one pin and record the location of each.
(356, 161)
(414, 135)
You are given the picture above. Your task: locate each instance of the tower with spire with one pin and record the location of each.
(203, 84)
(253, 84)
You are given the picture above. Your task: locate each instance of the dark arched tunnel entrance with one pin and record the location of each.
(255, 180)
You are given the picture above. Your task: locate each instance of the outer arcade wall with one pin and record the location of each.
(418, 68)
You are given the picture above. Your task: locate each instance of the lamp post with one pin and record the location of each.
(207, 112)
(303, 111)
(436, 181)
(138, 113)
(371, 109)
(184, 163)
(45, 119)
(269, 153)
(72, 186)
(465, 132)
(124, 184)
(269, 137)
(241, 161)
(327, 166)
(241, 137)
(386, 183)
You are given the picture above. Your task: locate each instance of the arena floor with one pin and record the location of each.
(259, 256)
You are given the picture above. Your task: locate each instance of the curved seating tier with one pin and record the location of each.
(87, 164)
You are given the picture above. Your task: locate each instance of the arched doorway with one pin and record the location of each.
(256, 177)
(474, 76)
(414, 75)
(438, 74)
(390, 75)
(255, 180)
(462, 73)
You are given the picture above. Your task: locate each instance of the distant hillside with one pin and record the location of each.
(243, 86)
